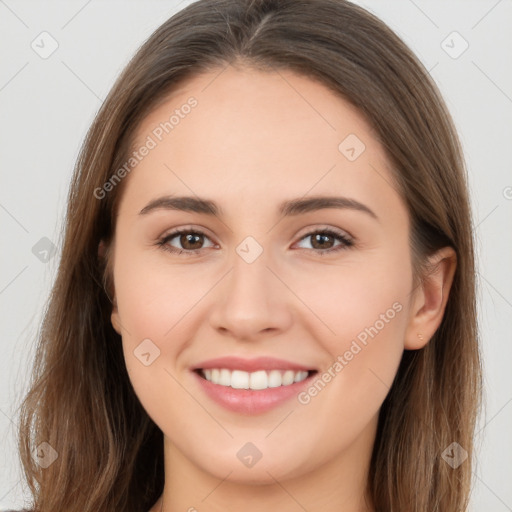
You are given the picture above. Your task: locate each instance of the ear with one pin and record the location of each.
(430, 298)
(103, 251)
(114, 319)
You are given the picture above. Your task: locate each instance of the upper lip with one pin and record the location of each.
(251, 365)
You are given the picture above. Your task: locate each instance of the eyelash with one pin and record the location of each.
(346, 242)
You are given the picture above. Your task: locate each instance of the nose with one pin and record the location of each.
(251, 301)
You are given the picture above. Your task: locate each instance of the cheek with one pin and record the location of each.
(150, 305)
(355, 299)
(360, 318)
(153, 305)
(153, 297)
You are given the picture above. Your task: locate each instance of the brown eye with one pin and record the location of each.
(327, 241)
(322, 241)
(189, 241)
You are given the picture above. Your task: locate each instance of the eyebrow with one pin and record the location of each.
(287, 208)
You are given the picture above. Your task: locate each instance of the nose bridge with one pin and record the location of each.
(250, 273)
(249, 284)
(251, 298)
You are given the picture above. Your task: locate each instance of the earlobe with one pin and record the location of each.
(114, 316)
(431, 298)
(104, 257)
(101, 249)
(114, 319)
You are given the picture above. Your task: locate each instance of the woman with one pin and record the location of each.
(311, 340)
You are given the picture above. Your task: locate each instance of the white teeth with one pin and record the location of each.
(258, 380)
(261, 379)
(274, 379)
(225, 377)
(288, 377)
(239, 380)
(298, 377)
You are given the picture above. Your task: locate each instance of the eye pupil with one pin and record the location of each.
(320, 238)
(188, 239)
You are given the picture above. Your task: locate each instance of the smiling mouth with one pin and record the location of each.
(258, 380)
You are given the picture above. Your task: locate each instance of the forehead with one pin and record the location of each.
(234, 133)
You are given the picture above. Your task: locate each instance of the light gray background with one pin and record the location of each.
(48, 104)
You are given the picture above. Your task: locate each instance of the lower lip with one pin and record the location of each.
(251, 401)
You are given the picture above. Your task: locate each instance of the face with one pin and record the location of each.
(284, 287)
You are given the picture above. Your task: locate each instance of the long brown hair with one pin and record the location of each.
(81, 402)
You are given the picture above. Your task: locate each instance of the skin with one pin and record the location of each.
(254, 140)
